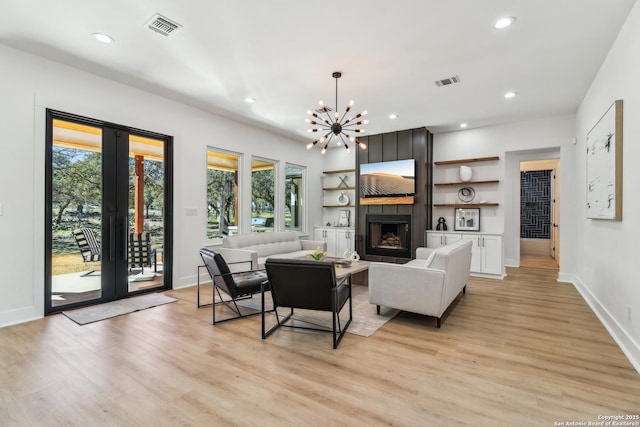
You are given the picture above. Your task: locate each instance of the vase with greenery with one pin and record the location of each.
(318, 254)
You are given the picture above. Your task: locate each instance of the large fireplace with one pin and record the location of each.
(389, 235)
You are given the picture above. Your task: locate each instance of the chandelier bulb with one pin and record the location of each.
(364, 113)
(310, 145)
(351, 138)
(324, 150)
(362, 145)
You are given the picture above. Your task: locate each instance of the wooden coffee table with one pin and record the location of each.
(359, 270)
(355, 268)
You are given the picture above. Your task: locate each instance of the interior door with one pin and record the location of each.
(555, 215)
(108, 193)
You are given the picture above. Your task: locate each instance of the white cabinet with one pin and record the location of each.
(436, 240)
(339, 239)
(491, 251)
(486, 252)
(345, 241)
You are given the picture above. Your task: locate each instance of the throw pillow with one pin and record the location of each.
(430, 258)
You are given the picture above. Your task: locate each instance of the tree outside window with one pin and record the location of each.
(222, 193)
(262, 195)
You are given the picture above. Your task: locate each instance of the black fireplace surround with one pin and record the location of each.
(388, 235)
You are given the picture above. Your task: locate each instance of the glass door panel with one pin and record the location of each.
(76, 213)
(108, 212)
(146, 213)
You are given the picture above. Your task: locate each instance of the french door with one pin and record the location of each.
(108, 212)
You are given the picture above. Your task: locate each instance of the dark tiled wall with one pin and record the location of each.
(535, 204)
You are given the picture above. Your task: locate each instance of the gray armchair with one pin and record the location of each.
(426, 285)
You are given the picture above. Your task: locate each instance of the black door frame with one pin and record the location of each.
(115, 139)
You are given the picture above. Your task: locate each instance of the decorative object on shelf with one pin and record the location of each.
(466, 173)
(318, 254)
(344, 218)
(336, 125)
(442, 224)
(351, 255)
(604, 166)
(343, 181)
(343, 199)
(466, 194)
(467, 219)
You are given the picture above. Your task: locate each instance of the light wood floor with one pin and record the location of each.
(526, 351)
(538, 261)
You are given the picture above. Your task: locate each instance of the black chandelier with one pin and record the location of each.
(334, 125)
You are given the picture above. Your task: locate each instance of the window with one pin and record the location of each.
(222, 193)
(262, 195)
(294, 197)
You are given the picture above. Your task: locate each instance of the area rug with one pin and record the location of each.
(95, 313)
(365, 320)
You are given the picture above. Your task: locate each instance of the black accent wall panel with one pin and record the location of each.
(407, 144)
(535, 204)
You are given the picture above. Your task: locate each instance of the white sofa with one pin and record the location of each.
(425, 285)
(250, 251)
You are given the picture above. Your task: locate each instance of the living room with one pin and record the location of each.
(597, 256)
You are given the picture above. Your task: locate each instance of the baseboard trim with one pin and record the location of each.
(511, 263)
(629, 347)
(22, 315)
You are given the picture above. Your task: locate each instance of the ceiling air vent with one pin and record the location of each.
(448, 81)
(163, 25)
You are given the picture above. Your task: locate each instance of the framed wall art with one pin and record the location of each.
(467, 219)
(604, 166)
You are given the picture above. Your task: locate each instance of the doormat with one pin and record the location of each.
(95, 313)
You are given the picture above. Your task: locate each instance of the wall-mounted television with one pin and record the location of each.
(388, 179)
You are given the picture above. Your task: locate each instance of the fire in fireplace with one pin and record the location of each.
(389, 235)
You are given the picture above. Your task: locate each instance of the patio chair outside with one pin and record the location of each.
(88, 245)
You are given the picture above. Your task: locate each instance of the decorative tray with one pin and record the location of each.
(342, 263)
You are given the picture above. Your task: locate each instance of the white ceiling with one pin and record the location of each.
(283, 53)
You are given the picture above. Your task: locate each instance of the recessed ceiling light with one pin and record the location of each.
(504, 22)
(249, 100)
(510, 94)
(463, 125)
(393, 116)
(103, 38)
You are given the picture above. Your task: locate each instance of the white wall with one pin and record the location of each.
(31, 84)
(535, 139)
(608, 251)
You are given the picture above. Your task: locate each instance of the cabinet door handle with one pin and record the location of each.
(478, 241)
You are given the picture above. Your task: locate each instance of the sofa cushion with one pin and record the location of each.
(290, 255)
(265, 244)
